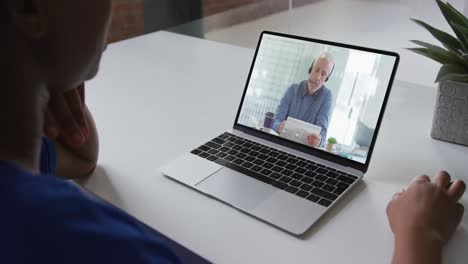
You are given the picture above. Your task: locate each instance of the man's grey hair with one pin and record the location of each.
(327, 56)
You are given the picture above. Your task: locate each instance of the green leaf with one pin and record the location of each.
(428, 45)
(452, 72)
(463, 31)
(454, 77)
(465, 57)
(462, 18)
(457, 59)
(454, 17)
(446, 39)
(439, 55)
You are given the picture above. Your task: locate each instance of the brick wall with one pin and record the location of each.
(225, 13)
(211, 7)
(127, 20)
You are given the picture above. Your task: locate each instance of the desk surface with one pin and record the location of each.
(162, 94)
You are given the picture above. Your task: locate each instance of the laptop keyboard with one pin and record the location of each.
(304, 178)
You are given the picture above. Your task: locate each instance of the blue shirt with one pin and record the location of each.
(48, 220)
(314, 109)
(48, 157)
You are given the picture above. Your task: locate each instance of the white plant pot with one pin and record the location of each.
(450, 121)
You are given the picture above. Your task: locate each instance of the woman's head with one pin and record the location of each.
(63, 39)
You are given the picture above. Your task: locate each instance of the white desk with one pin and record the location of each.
(162, 94)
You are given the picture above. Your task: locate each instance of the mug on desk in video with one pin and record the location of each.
(269, 120)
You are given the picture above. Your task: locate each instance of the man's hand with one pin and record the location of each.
(314, 140)
(280, 129)
(424, 216)
(66, 118)
(70, 124)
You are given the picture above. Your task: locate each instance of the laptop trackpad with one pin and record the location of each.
(237, 189)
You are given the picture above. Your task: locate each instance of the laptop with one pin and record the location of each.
(340, 91)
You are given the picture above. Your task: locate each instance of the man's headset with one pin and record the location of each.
(312, 66)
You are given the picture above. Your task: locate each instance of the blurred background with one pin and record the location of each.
(136, 17)
(382, 24)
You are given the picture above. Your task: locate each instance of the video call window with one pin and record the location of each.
(335, 107)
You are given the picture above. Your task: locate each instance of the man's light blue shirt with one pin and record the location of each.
(314, 109)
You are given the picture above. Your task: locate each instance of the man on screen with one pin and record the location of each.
(309, 100)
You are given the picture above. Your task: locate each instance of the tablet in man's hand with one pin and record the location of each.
(298, 130)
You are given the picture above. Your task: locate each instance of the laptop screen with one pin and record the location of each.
(322, 96)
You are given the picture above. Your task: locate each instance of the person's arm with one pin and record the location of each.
(80, 161)
(415, 248)
(323, 116)
(283, 108)
(424, 217)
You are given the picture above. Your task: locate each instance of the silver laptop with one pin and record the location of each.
(304, 132)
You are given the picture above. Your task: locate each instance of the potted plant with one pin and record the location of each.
(331, 142)
(450, 122)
